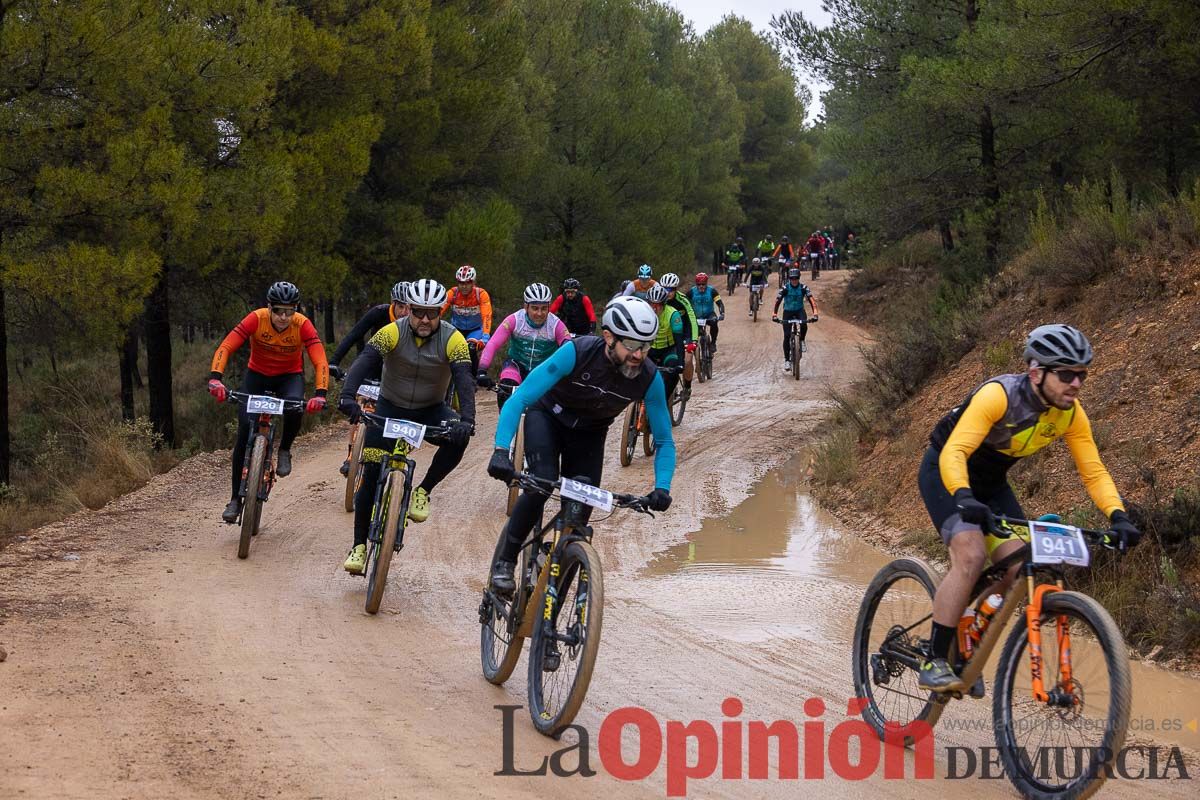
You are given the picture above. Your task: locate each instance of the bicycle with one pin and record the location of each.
(367, 396)
(258, 470)
(393, 491)
(796, 348)
(635, 424)
(756, 293)
(815, 264)
(516, 451)
(888, 654)
(558, 640)
(731, 279)
(677, 402)
(704, 365)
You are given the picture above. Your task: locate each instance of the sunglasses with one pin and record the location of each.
(283, 311)
(425, 313)
(1068, 376)
(635, 345)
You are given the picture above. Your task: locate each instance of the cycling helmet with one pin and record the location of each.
(400, 292)
(570, 283)
(538, 293)
(793, 273)
(701, 278)
(785, 240)
(465, 274)
(756, 261)
(658, 293)
(1058, 346)
(283, 293)
(427, 293)
(631, 318)
(739, 240)
(645, 272)
(670, 280)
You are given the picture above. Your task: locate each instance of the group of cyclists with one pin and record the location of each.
(819, 251)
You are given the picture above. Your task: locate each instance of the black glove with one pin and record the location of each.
(482, 379)
(350, 407)
(659, 500)
(1123, 527)
(973, 511)
(336, 372)
(501, 466)
(461, 431)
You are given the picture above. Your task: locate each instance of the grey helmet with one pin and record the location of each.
(283, 293)
(426, 293)
(400, 292)
(1058, 346)
(658, 293)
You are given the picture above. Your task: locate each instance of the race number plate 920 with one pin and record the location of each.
(1054, 543)
(261, 404)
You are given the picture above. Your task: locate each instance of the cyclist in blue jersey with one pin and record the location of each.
(569, 401)
(792, 296)
(705, 300)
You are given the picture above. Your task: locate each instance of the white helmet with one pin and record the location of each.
(400, 292)
(427, 293)
(670, 280)
(631, 318)
(538, 293)
(465, 273)
(658, 293)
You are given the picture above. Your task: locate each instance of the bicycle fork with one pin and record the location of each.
(1062, 694)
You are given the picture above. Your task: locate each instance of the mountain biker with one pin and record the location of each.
(574, 308)
(816, 244)
(792, 296)
(765, 247)
(703, 299)
(691, 331)
(569, 403)
(531, 334)
(759, 271)
(785, 251)
(369, 325)
(470, 307)
(668, 349)
(279, 335)
(963, 476)
(735, 257)
(641, 287)
(414, 359)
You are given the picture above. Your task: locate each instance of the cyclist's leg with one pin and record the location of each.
(787, 332)
(448, 455)
(375, 449)
(543, 445)
(713, 329)
(290, 387)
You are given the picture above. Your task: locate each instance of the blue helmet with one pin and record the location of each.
(645, 272)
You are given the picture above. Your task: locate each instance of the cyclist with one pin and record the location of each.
(279, 335)
(574, 308)
(963, 476)
(470, 307)
(691, 331)
(785, 251)
(792, 296)
(759, 271)
(816, 244)
(668, 349)
(765, 247)
(569, 403)
(641, 287)
(703, 299)
(735, 258)
(531, 335)
(414, 359)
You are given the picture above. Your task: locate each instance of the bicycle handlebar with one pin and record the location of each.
(241, 397)
(811, 320)
(1108, 539)
(638, 502)
(379, 420)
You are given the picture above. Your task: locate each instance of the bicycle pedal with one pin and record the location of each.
(551, 662)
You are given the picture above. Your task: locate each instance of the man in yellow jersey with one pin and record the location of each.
(963, 477)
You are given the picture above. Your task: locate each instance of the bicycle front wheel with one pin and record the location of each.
(380, 558)
(890, 642)
(252, 506)
(354, 476)
(678, 406)
(797, 354)
(566, 638)
(1062, 748)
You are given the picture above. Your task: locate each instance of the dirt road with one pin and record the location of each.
(146, 661)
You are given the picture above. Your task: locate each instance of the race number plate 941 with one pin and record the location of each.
(1054, 543)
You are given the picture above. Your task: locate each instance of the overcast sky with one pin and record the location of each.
(706, 13)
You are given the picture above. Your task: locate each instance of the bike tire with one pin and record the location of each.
(1022, 772)
(354, 476)
(552, 711)
(922, 583)
(647, 439)
(797, 355)
(380, 560)
(498, 659)
(678, 406)
(703, 350)
(252, 506)
(629, 435)
(518, 460)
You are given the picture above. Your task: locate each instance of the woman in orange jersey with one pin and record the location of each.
(278, 336)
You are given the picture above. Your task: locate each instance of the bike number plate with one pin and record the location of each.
(410, 432)
(588, 495)
(1054, 543)
(260, 404)
(368, 391)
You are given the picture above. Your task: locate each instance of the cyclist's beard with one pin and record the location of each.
(630, 371)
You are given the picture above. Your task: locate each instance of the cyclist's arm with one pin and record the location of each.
(373, 320)
(719, 303)
(497, 341)
(459, 355)
(450, 295)
(691, 318)
(778, 300)
(561, 334)
(812, 301)
(485, 308)
(630, 289)
(232, 341)
(1096, 480)
(369, 363)
(316, 354)
(556, 304)
(660, 427)
(537, 383)
(587, 307)
(987, 407)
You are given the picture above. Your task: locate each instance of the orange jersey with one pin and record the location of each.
(469, 312)
(272, 352)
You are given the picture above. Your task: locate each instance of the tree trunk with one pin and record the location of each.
(329, 320)
(947, 235)
(991, 184)
(158, 359)
(5, 452)
(128, 358)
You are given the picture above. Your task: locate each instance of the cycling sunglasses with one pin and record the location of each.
(1069, 375)
(425, 313)
(635, 345)
(283, 311)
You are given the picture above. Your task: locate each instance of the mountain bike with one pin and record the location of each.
(796, 348)
(393, 491)
(814, 262)
(731, 279)
(635, 425)
(258, 470)
(704, 362)
(560, 576)
(367, 396)
(1077, 697)
(677, 402)
(516, 450)
(756, 293)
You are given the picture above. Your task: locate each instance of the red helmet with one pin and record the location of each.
(701, 278)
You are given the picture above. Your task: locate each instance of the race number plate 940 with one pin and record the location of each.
(410, 432)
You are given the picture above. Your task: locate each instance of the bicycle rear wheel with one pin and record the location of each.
(647, 436)
(889, 645)
(379, 559)
(562, 654)
(500, 620)
(1063, 748)
(518, 460)
(354, 476)
(629, 435)
(252, 506)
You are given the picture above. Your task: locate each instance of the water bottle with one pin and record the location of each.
(987, 609)
(966, 646)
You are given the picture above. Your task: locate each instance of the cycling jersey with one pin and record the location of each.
(1003, 421)
(815, 244)
(703, 301)
(785, 251)
(415, 372)
(691, 331)
(470, 312)
(640, 288)
(365, 328)
(528, 345)
(578, 314)
(758, 275)
(735, 255)
(273, 352)
(793, 297)
(765, 248)
(670, 328)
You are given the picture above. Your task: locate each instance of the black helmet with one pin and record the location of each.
(570, 283)
(1058, 346)
(784, 240)
(283, 293)
(793, 273)
(739, 240)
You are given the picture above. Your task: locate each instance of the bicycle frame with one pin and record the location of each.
(266, 428)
